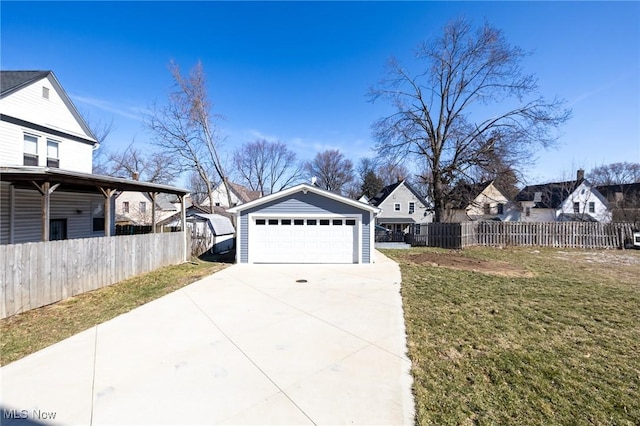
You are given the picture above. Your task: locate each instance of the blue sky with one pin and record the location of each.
(298, 72)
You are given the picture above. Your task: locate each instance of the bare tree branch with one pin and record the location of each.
(331, 170)
(438, 118)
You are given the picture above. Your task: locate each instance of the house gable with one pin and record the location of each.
(394, 200)
(33, 105)
(565, 201)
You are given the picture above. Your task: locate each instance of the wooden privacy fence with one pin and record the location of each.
(38, 274)
(587, 235)
(445, 235)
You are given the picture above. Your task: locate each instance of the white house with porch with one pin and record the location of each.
(47, 191)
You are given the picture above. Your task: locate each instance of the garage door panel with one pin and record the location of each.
(312, 240)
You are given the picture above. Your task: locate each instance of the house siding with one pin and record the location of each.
(309, 204)
(403, 196)
(28, 209)
(475, 210)
(27, 104)
(585, 194)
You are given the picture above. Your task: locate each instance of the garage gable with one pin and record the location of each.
(305, 224)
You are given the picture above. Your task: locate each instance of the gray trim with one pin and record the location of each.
(39, 128)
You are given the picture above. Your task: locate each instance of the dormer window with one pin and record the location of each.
(53, 158)
(30, 150)
(45, 92)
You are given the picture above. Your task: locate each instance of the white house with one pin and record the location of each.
(47, 191)
(478, 202)
(239, 194)
(575, 200)
(136, 208)
(401, 207)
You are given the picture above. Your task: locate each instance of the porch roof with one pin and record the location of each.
(80, 182)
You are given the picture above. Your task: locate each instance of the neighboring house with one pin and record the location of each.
(135, 208)
(624, 200)
(401, 207)
(305, 224)
(47, 191)
(239, 195)
(480, 202)
(575, 200)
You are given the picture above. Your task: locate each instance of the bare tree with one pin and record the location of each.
(198, 187)
(147, 166)
(435, 119)
(185, 129)
(101, 130)
(615, 174)
(266, 166)
(331, 170)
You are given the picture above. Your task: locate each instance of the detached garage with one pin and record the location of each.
(305, 224)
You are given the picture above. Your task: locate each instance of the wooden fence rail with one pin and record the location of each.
(585, 235)
(38, 274)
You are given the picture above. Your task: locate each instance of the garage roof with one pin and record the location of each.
(304, 187)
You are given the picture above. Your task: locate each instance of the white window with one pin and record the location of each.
(396, 207)
(30, 150)
(576, 207)
(143, 206)
(53, 159)
(412, 207)
(500, 208)
(125, 207)
(527, 211)
(592, 207)
(45, 92)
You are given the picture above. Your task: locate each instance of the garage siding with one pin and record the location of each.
(301, 203)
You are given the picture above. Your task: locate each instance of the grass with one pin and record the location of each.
(26, 333)
(560, 347)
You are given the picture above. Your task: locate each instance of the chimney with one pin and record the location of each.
(580, 175)
(135, 176)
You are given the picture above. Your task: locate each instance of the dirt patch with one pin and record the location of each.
(453, 261)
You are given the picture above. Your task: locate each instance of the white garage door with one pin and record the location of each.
(303, 240)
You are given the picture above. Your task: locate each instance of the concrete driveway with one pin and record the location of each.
(247, 345)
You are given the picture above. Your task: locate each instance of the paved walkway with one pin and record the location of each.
(247, 345)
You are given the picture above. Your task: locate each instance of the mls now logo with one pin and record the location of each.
(15, 414)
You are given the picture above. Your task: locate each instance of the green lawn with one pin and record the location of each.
(26, 333)
(558, 343)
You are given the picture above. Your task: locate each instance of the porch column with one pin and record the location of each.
(46, 189)
(183, 224)
(153, 196)
(108, 193)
